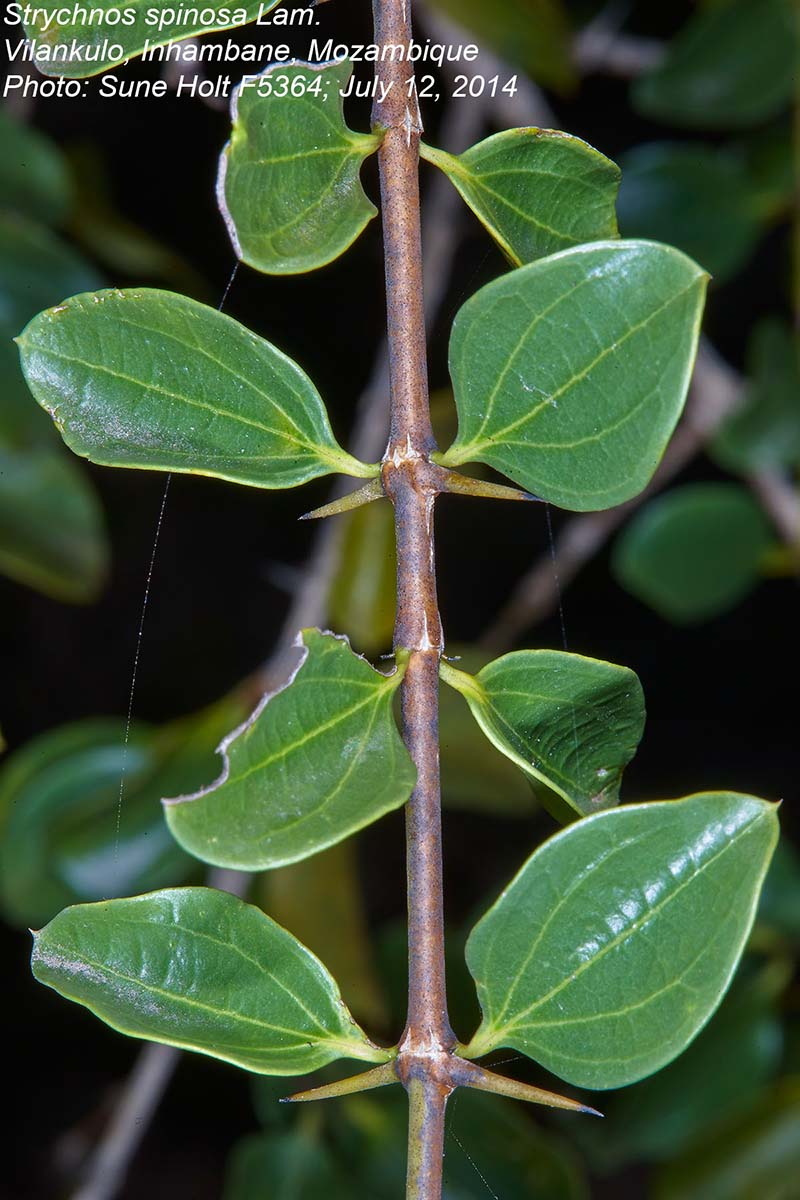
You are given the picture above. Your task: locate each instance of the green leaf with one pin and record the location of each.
(65, 833)
(322, 901)
(693, 553)
(570, 723)
(82, 47)
(289, 185)
(696, 197)
(52, 535)
(293, 1165)
(570, 374)
(756, 1155)
(144, 378)
(616, 941)
(36, 269)
(537, 191)
(475, 776)
(200, 969)
(731, 67)
(534, 34)
(362, 597)
(34, 178)
(764, 432)
(720, 1075)
(316, 761)
(780, 898)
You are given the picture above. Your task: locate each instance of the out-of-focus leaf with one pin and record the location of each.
(764, 432)
(475, 776)
(284, 1166)
(570, 723)
(321, 901)
(52, 535)
(79, 47)
(36, 269)
(34, 177)
(731, 67)
(719, 1076)
(149, 379)
(780, 899)
(755, 1157)
(200, 969)
(570, 374)
(64, 836)
(289, 185)
(317, 761)
(693, 553)
(362, 598)
(124, 246)
(617, 940)
(695, 197)
(532, 33)
(537, 191)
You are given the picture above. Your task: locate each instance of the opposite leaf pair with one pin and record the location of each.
(602, 973)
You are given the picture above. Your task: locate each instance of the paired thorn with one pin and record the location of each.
(363, 1082)
(487, 1081)
(465, 485)
(464, 1074)
(452, 481)
(363, 495)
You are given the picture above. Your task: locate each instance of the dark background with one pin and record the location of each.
(721, 697)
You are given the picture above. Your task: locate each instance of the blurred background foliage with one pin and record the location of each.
(694, 587)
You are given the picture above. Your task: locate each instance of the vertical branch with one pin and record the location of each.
(412, 482)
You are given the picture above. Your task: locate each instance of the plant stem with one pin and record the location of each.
(412, 482)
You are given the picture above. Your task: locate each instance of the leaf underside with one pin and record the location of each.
(288, 183)
(537, 191)
(202, 970)
(570, 723)
(317, 761)
(603, 972)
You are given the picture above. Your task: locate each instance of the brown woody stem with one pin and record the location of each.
(412, 482)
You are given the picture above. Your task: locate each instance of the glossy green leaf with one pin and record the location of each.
(321, 900)
(570, 374)
(730, 67)
(696, 197)
(294, 1165)
(537, 191)
(475, 776)
(84, 46)
(144, 378)
(757, 1155)
(52, 535)
(570, 723)
(362, 597)
(720, 1075)
(694, 552)
(533, 34)
(316, 761)
(34, 177)
(616, 941)
(202, 970)
(66, 836)
(764, 432)
(289, 185)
